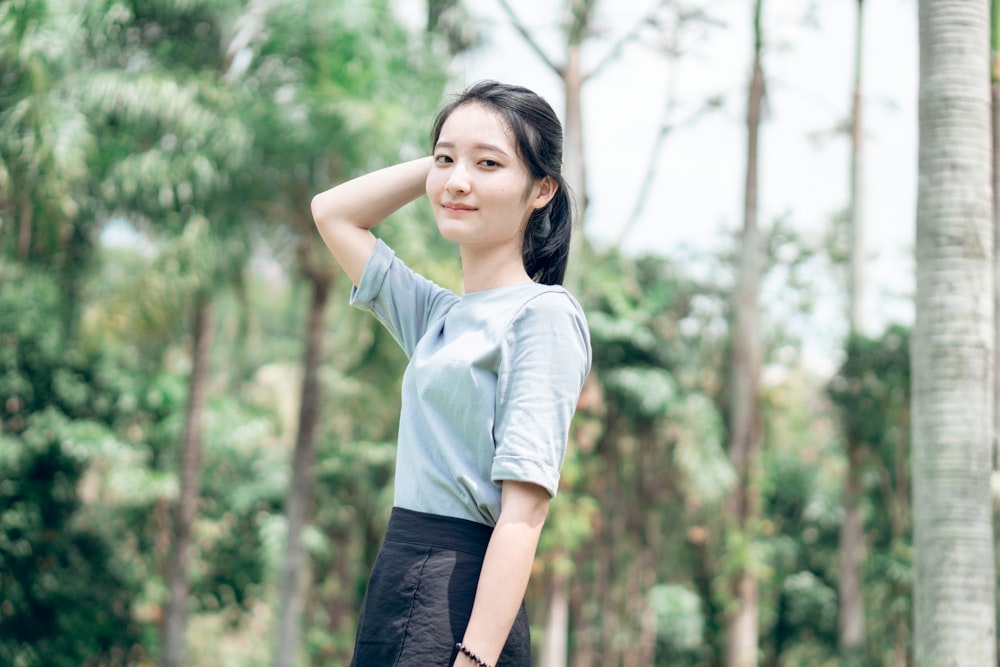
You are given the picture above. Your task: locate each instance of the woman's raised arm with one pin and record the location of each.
(345, 213)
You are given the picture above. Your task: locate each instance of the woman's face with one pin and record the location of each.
(479, 188)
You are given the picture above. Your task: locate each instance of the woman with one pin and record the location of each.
(492, 383)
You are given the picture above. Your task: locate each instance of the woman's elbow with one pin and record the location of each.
(524, 502)
(319, 207)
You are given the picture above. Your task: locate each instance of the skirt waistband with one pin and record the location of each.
(434, 530)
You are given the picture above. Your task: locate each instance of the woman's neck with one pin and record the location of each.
(496, 267)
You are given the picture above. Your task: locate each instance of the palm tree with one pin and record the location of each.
(955, 582)
(995, 95)
(852, 544)
(45, 145)
(745, 438)
(172, 146)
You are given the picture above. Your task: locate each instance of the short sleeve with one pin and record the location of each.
(402, 300)
(545, 358)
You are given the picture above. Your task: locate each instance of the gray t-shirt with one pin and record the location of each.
(492, 383)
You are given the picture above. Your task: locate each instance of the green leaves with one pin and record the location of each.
(680, 621)
(705, 473)
(66, 599)
(646, 392)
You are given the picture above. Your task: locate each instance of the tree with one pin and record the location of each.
(647, 471)
(955, 582)
(578, 26)
(995, 115)
(745, 437)
(325, 110)
(872, 394)
(69, 596)
(174, 168)
(852, 545)
(45, 146)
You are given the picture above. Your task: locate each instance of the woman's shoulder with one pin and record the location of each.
(548, 326)
(552, 298)
(548, 310)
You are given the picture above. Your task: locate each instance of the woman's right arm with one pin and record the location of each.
(344, 214)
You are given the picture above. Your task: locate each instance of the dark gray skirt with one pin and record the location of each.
(420, 595)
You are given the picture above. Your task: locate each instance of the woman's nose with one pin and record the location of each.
(458, 179)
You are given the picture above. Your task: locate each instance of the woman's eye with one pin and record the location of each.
(442, 159)
(489, 163)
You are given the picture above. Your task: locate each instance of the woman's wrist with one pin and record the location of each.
(468, 656)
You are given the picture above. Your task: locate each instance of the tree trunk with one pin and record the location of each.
(995, 95)
(901, 521)
(952, 349)
(851, 621)
(573, 156)
(187, 506)
(856, 227)
(743, 506)
(556, 638)
(583, 653)
(297, 504)
(555, 652)
(852, 557)
(24, 229)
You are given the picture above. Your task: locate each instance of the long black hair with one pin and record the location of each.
(538, 137)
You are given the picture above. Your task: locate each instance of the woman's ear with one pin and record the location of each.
(547, 188)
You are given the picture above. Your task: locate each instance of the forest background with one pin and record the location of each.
(196, 431)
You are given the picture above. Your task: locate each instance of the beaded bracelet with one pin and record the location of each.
(470, 655)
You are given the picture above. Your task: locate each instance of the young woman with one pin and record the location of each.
(492, 382)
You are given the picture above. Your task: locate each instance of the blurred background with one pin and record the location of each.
(197, 432)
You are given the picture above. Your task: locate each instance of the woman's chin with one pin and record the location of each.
(450, 232)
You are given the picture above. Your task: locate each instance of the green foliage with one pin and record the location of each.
(648, 392)
(242, 489)
(67, 595)
(66, 598)
(680, 624)
(810, 604)
(800, 527)
(204, 127)
(706, 475)
(647, 471)
(871, 390)
(44, 139)
(38, 369)
(872, 394)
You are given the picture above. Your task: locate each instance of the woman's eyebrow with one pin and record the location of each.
(487, 147)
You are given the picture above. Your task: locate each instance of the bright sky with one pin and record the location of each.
(699, 186)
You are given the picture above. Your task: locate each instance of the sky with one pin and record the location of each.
(804, 165)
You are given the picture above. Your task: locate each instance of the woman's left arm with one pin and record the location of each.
(506, 570)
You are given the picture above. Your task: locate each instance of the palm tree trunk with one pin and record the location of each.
(952, 348)
(187, 506)
(851, 612)
(852, 547)
(556, 641)
(852, 557)
(743, 506)
(573, 157)
(851, 621)
(856, 276)
(995, 99)
(300, 489)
